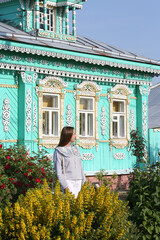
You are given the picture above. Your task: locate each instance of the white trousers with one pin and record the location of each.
(74, 186)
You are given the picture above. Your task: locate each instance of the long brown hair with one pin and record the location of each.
(65, 137)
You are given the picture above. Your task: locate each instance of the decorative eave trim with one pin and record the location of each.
(77, 58)
(110, 172)
(60, 4)
(73, 75)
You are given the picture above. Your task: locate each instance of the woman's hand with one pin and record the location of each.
(66, 189)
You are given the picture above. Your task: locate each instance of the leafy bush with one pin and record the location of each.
(144, 200)
(138, 146)
(19, 172)
(102, 179)
(40, 215)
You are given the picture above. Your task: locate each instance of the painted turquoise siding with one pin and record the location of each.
(12, 95)
(154, 145)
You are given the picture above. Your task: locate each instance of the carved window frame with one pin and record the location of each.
(87, 89)
(119, 93)
(51, 85)
(51, 13)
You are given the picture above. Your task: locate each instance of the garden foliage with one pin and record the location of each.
(39, 215)
(144, 200)
(19, 172)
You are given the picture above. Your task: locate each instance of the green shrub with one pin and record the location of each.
(144, 201)
(39, 215)
(19, 172)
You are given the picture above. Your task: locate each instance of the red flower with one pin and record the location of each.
(29, 163)
(37, 180)
(19, 184)
(16, 171)
(43, 173)
(30, 177)
(31, 157)
(1, 145)
(26, 153)
(7, 166)
(29, 170)
(10, 179)
(41, 182)
(8, 157)
(1, 175)
(25, 174)
(9, 149)
(19, 159)
(2, 186)
(39, 160)
(22, 167)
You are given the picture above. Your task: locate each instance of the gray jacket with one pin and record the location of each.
(71, 168)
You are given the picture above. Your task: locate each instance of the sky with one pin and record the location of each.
(130, 25)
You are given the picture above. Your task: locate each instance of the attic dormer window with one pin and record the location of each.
(50, 19)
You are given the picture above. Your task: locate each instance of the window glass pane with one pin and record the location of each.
(55, 123)
(90, 125)
(45, 122)
(118, 106)
(86, 104)
(50, 101)
(115, 126)
(121, 126)
(82, 124)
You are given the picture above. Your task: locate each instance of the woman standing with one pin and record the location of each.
(67, 162)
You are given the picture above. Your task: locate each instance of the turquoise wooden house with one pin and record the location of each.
(50, 77)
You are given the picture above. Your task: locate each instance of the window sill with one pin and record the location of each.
(86, 142)
(118, 142)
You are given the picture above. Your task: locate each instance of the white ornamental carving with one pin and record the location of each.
(132, 121)
(6, 114)
(87, 156)
(29, 111)
(103, 120)
(28, 19)
(34, 116)
(119, 156)
(23, 76)
(29, 78)
(143, 90)
(144, 109)
(69, 115)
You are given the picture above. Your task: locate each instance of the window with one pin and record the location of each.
(119, 119)
(119, 99)
(86, 116)
(51, 114)
(50, 19)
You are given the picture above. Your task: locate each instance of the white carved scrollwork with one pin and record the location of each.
(119, 156)
(144, 109)
(132, 121)
(87, 156)
(34, 116)
(28, 19)
(6, 114)
(29, 78)
(143, 90)
(103, 120)
(29, 111)
(23, 76)
(69, 115)
(35, 77)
